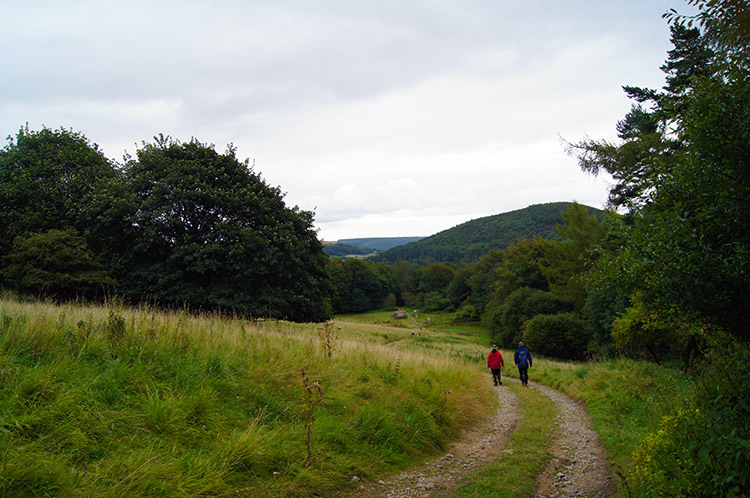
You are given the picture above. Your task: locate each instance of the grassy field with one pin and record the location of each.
(105, 401)
(108, 401)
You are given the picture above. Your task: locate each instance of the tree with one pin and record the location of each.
(57, 264)
(436, 277)
(507, 326)
(561, 335)
(359, 285)
(726, 24)
(47, 179)
(685, 257)
(521, 266)
(408, 277)
(688, 230)
(568, 260)
(210, 233)
(642, 164)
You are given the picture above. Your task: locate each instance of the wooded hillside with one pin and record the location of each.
(471, 240)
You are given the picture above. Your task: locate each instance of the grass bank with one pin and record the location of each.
(110, 402)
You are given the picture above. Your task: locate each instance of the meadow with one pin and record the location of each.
(111, 401)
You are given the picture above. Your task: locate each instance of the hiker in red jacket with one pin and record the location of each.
(495, 363)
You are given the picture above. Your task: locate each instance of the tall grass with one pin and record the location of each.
(108, 401)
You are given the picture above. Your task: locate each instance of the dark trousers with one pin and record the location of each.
(523, 374)
(496, 375)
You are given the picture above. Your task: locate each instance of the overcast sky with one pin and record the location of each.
(385, 118)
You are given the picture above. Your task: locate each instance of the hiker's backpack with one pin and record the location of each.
(523, 358)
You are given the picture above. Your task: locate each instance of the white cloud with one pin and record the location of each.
(385, 117)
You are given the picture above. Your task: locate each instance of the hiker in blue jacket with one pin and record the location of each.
(522, 359)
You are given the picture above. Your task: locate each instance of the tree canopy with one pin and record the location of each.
(180, 224)
(686, 184)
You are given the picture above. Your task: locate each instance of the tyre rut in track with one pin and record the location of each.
(578, 467)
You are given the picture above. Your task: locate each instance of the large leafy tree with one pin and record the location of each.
(568, 260)
(47, 181)
(208, 232)
(360, 285)
(47, 178)
(684, 249)
(683, 171)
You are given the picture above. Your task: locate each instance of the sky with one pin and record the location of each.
(385, 118)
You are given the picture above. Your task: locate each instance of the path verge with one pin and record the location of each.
(476, 447)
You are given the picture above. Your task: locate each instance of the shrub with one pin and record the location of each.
(509, 321)
(564, 335)
(703, 449)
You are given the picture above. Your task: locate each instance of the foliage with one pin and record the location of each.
(608, 286)
(436, 277)
(726, 24)
(568, 260)
(180, 225)
(521, 266)
(343, 250)
(682, 169)
(408, 278)
(703, 448)
(508, 324)
(210, 233)
(562, 335)
(46, 179)
(688, 187)
(56, 263)
(642, 330)
(359, 285)
(472, 240)
(379, 244)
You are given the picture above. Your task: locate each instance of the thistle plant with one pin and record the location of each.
(328, 335)
(115, 327)
(313, 394)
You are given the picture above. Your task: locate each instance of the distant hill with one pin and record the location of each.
(473, 239)
(341, 250)
(380, 243)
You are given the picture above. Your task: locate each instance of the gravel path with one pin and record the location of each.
(578, 467)
(579, 464)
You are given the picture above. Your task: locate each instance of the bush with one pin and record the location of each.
(703, 449)
(436, 302)
(640, 331)
(55, 263)
(509, 321)
(563, 335)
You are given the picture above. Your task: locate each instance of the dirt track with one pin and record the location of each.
(578, 467)
(579, 464)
